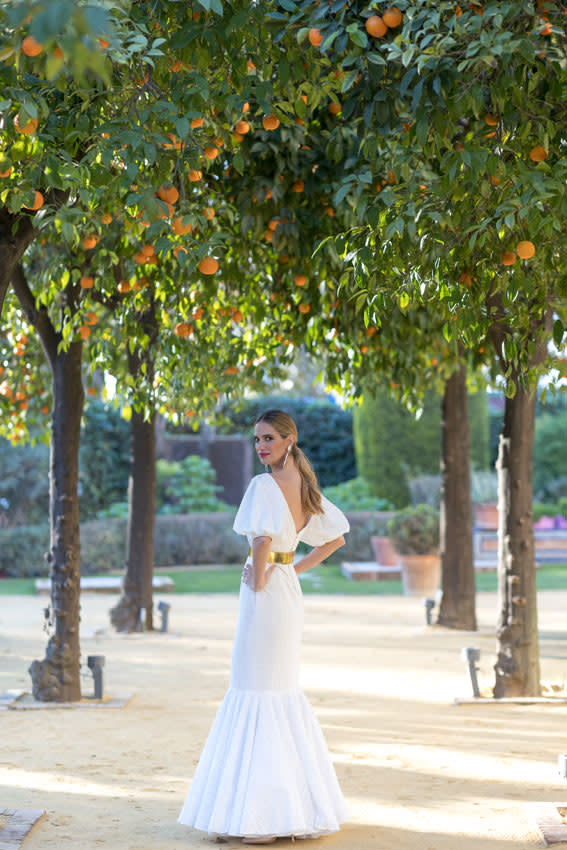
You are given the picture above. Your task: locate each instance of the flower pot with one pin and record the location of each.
(421, 574)
(384, 552)
(486, 515)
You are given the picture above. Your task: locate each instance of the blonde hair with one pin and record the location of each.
(285, 426)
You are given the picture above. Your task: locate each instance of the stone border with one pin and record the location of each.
(25, 702)
(20, 823)
(552, 827)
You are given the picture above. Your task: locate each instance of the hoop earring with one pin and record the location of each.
(286, 456)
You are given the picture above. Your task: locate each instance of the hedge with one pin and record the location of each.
(179, 540)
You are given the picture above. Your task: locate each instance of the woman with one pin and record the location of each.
(265, 770)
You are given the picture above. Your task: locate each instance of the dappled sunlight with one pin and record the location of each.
(62, 783)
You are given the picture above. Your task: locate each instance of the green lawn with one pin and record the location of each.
(327, 579)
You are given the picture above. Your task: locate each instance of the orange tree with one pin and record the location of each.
(110, 114)
(457, 113)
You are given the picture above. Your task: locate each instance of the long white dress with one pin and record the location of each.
(265, 769)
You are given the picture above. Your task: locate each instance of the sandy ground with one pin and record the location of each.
(417, 770)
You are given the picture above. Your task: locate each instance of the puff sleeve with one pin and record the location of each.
(322, 528)
(258, 515)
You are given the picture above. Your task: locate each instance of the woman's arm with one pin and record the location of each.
(319, 554)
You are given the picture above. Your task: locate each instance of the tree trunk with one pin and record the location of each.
(16, 233)
(137, 590)
(57, 677)
(457, 608)
(517, 665)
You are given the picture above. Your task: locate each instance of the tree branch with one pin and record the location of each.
(38, 318)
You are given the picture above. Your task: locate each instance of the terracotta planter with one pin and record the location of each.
(384, 552)
(486, 515)
(421, 574)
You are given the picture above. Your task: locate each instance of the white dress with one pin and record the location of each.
(265, 769)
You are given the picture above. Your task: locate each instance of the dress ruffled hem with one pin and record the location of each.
(265, 771)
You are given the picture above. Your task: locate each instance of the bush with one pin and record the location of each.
(550, 456)
(104, 458)
(415, 531)
(325, 432)
(188, 486)
(24, 483)
(354, 495)
(183, 539)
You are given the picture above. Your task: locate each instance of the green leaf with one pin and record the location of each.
(558, 331)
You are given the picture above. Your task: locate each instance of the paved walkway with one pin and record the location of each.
(419, 772)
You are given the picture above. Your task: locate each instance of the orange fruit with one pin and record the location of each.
(538, 153)
(315, 36)
(211, 152)
(44, 409)
(124, 286)
(147, 250)
(168, 194)
(466, 278)
(363, 349)
(250, 65)
(237, 138)
(85, 331)
(179, 228)
(86, 282)
(178, 249)
(330, 212)
(197, 122)
(246, 107)
(195, 175)
(392, 17)
(38, 202)
(242, 128)
(166, 213)
(491, 120)
(298, 186)
(508, 258)
(370, 330)
(231, 370)
(335, 108)
(300, 280)
(177, 66)
(270, 122)
(26, 129)
(106, 218)
(6, 173)
(92, 318)
(525, 249)
(375, 26)
(208, 265)
(89, 242)
(183, 329)
(30, 46)
(103, 43)
(209, 213)
(237, 316)
(173, 142)
(273, 223)
(547, 29)
(268, 235)
(304, 308)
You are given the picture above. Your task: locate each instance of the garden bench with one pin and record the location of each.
(106, 584)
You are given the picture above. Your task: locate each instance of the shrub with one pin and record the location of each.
(104, 458)
(24, 483)
(415, 531)
(550, 457)
(188, 486)
(183, 539)
(354, 495)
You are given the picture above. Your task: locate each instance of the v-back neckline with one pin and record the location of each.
(297, 531)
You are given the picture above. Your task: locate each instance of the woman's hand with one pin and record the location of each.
(257, 584)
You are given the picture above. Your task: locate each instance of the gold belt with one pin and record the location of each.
(277, 557)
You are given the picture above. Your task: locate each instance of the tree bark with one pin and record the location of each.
(517, 664)
(16, 233)
(137, 592)
(457, 608)
(57, 677)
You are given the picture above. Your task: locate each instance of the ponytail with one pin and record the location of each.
(310, 493)
(285, 426)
